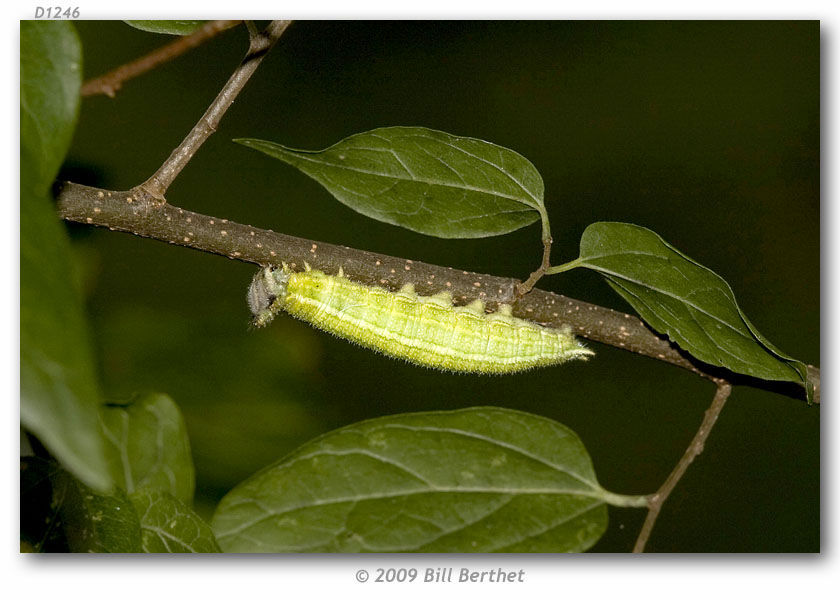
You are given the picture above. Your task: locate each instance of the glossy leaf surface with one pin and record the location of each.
(474, 480)
(424, 180)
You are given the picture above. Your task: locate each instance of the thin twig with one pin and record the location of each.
(252, 28)
(526, 286)
(112, 81)
(158, 183)
(694, 449)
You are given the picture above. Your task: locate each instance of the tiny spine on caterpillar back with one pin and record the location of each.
(425, 330)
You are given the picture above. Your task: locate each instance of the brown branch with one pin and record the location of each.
(694, 449)
(137, 213)
(158, 183)
(112, 81)
(143, 211)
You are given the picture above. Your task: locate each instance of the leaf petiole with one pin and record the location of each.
(564, 267)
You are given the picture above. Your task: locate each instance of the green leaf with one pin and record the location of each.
(168, 525)
(425, 180)
(169, 27)
(59, 395)
(95, 522)
(677, 296)
(269, 391)
(151, 447)
(50, 80)
(474, 480)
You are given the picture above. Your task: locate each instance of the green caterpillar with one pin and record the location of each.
(425, 330)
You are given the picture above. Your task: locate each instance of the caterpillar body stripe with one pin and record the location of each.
(425, 330)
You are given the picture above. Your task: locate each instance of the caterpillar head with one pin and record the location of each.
(266, 294)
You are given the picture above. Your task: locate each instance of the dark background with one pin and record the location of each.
(706, 132)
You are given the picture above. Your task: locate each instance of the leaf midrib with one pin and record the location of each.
(519, 199)
(460, 490)
(675, 297)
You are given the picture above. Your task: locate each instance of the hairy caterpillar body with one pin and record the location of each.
(425, 330)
